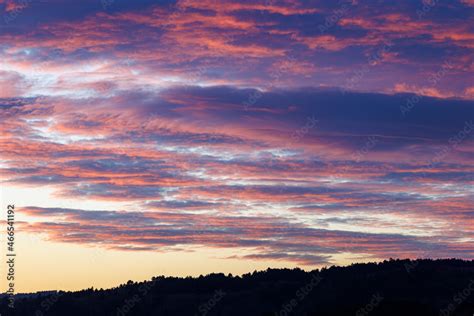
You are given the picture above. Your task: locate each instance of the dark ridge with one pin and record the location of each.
(395, 287)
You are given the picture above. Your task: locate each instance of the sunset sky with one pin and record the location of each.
(142, 138)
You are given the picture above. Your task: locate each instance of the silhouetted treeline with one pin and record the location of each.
(394, 287)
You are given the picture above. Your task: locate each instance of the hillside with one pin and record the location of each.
(395, 287)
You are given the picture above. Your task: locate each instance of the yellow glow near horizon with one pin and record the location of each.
(44, 265)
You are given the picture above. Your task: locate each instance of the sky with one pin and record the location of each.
(144, 138)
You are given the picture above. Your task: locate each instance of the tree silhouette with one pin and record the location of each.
(428, 287)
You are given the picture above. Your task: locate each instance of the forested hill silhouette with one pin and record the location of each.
(394, 287)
